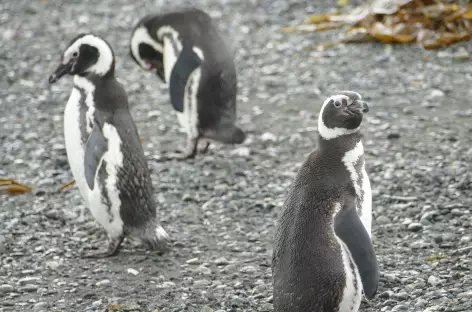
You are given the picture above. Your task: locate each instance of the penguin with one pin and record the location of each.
(184, 48)
(323, 257)
(103, 148)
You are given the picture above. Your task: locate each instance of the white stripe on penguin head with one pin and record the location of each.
(141, 35)
(105, 54)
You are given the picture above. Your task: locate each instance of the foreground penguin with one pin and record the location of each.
(103, 147)
(187, 52)
(323, 256)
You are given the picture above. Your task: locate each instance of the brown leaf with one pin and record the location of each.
(68, 184)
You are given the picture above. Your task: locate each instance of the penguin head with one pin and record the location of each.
(85, 54)
(147, 51)
(341, 114)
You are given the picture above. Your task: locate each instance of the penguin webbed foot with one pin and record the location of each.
(112, 250)
(188, 153)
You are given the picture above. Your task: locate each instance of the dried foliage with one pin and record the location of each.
(430, 23)
(11, 186)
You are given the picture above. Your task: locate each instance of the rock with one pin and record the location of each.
(415, 227)
(467, 294)
(400, 307)
(132, 271)
(206, 309)
(5, 288)
(242, 151)
(267, 307)
(221, 261)
(103, 282)
(268, 137)
(40, 306)
(433, 280)
(30, 279)
(382, 219)
(28, 288)
(193, 261)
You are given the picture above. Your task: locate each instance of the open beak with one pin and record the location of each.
(358, 107)
(62, 70)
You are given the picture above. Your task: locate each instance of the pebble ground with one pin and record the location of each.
(221, 209)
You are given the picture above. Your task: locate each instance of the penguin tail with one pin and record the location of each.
(156, 238)
(229, 134)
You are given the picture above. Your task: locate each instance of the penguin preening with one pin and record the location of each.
(323, 256)
(103, 148)
(188, 53)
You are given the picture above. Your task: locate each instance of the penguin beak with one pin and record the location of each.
(62, 70)
(358, 107)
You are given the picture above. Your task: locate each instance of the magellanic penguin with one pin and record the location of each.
(188, 53)
(103, 147)
(323, 256)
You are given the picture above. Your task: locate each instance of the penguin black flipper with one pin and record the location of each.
(95, 148)
(349, 228)
(186, 63)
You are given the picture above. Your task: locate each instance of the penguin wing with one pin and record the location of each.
(349, 228)
(186, 63)
(95, 148)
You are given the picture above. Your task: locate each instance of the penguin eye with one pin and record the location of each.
(337, 104)
(75, 54)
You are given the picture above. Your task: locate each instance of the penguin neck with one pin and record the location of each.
(340, 145)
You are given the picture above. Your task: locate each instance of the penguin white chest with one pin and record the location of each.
(73, 140)
(361, 183)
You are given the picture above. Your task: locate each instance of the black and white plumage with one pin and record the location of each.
(323, 256)
(103, 147)
(186, 50)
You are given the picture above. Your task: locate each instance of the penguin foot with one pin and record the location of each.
(112, 250)
(180, 155)
(204, 149)
(12, 186)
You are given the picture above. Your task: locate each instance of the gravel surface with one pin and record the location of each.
(221, 209)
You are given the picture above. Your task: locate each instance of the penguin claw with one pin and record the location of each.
(11, 186)
(113, 248)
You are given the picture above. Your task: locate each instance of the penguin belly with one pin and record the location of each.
(105, 203)
(352, 292)
(73, 140)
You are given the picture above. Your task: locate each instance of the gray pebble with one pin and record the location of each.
(414, 227)
(5, 288)
(40, 306)
(382, 219)
(400, 307)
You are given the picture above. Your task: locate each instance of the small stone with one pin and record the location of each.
(433, 280)
(248, 269)
(132, 271)
(393, 136)
(203, 270)
(386, 294)
(193, 261)
(103, 282)
(206, 309)
(221, 261)
(5, 288)
(168, 284)
(467, 294)
(30, 279)
(267, 307)
(40, 306)
(415, 227)
(407, 221)
(400, 307)
(236, 302)
(200, 283)
(28, 288)
(268, 137)
(53, 265)
(382, 219)
(242, 151)
(465, 239)
(401, 296)
(97, 303)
